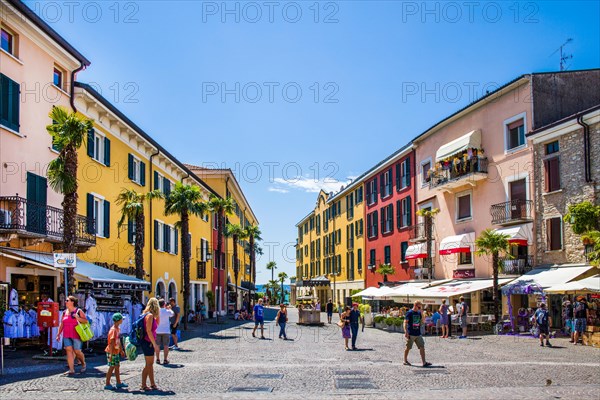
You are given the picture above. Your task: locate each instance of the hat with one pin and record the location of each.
(117, 317)
(354, 304)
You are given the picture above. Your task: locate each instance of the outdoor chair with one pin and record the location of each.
(473, 322)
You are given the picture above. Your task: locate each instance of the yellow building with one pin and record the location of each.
(330, 258)
(117, 155)
(223, 182)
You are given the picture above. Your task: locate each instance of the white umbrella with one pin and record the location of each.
(588, 285)
(368, 292)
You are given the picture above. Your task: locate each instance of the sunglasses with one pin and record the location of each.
(67, 301)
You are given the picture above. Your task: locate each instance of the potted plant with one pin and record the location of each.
(379, 321)
(398, 322)
(389, 321)
(365, 312)
(211, 303)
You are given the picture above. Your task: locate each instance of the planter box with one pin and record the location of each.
(369, 319)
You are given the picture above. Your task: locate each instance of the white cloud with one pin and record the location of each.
(278, 190)
(311, 185)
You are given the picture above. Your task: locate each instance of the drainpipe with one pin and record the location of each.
(72, 99)
(586, 149)
(150, 216)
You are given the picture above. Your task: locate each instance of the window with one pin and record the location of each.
(326, 220)
(358, 227)
(350, 206)
(372, 224)
(552, 173)
(350, 236)
(203, 250)
(463, 207)
(98, 147)
(425, 167)
(318, 267)
(404, 212)
(372, 192)
(387, 218)
(554, 233)
(403, 175)
(552, 147)
(305, 229)
(311, 223)
(318, 248)
(465, 259)
(162, 184)
(372, 257)
(7, 41)
(386, 183)
(359, 195)
(350, 266)
(359, 260)
(131, 231)
(318, 224)
(515, 132)
(57, 78)
(137, 170)
(387, 255)
(306, 251)
(9, 103)
(98, 211)
(339, 236)
(165, 237)
(403, 248)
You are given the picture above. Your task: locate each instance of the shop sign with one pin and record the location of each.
(114, 286)
(114, 267)
(463, 274)
(65, 260)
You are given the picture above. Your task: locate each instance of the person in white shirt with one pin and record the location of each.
(318, 306)
(163, 331)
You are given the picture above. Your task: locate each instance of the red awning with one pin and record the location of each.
(418, 251)
(457, 244)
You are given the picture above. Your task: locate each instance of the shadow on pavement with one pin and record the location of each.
(152, 392)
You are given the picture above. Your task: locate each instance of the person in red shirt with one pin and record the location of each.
(114, 351)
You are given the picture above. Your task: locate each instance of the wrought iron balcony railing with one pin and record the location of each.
(28, 219)
(474, 169)
(512, 212)
(516, 266)
(416, 233)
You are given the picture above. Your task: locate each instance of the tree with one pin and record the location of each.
(428, 216)
(185, 201)
(68, 131)
(282, 277)
(253, 234)
(220, 207)
(385, 270)
(585, 221)
(237, 233)
(273, 286)
(132, 210)
(493, 243)
(272, 266)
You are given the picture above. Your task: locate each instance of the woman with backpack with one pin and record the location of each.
(71, 341)
(148, 343)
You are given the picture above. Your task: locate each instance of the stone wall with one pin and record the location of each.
(574, 190)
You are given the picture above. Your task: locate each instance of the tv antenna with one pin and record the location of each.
(563, 57)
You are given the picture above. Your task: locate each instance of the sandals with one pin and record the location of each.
(83, 369)
(165, 362)
(427, 364)
(145, 388)
(68, 373)
(153, 387)
(407, 363)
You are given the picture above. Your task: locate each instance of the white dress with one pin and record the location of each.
(13, 300)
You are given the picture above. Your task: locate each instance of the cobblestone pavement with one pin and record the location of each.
(220, 359)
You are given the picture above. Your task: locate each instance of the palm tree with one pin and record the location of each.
(184, 201)
(253, 234)
(68, 131)
(282, 277)
(237, 233)
(132, 209)
(272, 266)
(221, 207)
(493, 243)
(274, 288)
(385, 270)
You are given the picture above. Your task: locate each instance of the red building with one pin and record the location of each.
(390, 215)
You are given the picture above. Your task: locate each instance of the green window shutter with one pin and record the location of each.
(156, 178)
(106, 219)
(130, 231)
(130, 166)
(13, 105)
(3, 100)
(107, 152)
(407, 172)
(167, 186)
(408, 211)
(142, 173)
(375, 223)
(166, 238)
(398, 177)
(403, 247)
(91, 224)
(90, 143)
(176, 241)
(156, 237)
(383, 219)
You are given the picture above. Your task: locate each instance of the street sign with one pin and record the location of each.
(65, 260)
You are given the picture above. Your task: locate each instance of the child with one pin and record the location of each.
(114, 351)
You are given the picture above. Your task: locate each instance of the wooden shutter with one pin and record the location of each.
(166, 238)
(156, 178)
(552, 174)
(176, 241)
(554, 233)
(407, 172)
(107, 152)
(142, 173)
(156, 237)
(90, 215)
(9, 103)
(130, 167)
(375, 223)
(381, 184)
(90, 143)
(408, 211)
(375, 189)
(106, 219)
(130, 233)
(398, 175)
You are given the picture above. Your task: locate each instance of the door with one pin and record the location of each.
(36, 203)
(518, 196)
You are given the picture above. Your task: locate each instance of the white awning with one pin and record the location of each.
(546, 277)
(368, 292)
(520, 234)
(458, 244)
(471, 140)
(419, 250)
(33, 258)
(458, 287)
(410, 289)
(587, 285)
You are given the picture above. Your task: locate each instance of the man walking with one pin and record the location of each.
(329, 310)
(174, 322)
(163, 331)
(259, 319)
(543, 322)
(412, 332)
(462, 317)
(354, 320)
(581, 311)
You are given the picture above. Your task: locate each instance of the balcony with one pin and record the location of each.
(464, 173)
(26, 219)
(512, 212)
(416, 233)
(516, 266)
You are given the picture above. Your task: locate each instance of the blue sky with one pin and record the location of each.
(295, 96)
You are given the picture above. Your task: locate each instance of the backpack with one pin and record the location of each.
(138, 330)
(542, 317)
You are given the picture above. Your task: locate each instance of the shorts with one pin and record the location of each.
(463, 322)
(147, 348)
(570, 325)
(113, 360)
(329, 314)
(74, 343)
(580, 324)
(173, 330)
(544, 329)
(415, 339)
(163, 339)
(259, 321)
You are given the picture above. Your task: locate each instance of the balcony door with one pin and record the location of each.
(36, 203)
(518, 196)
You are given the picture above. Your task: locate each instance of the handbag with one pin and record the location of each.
(340, 324)
(84, 330)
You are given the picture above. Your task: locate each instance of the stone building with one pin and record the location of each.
(566, 171)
